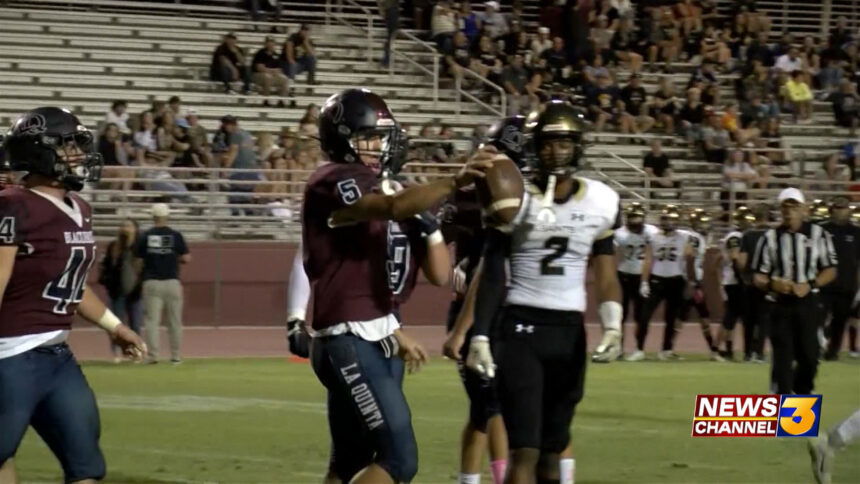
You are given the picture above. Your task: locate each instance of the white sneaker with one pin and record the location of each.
(637, 355)
(715, 356)
(821, 455)
(854, 354)
(669, 355)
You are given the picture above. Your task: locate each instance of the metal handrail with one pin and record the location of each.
(433, 53)
(460, 92)
(370, 15)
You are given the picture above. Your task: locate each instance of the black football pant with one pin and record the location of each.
(756, 317)
(734, 307)
(671, 290)
(794, 338)
(838, 305)
(630, 294)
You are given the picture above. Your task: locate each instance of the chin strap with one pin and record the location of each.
(546, 214)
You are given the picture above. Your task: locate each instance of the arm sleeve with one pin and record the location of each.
(299, 288)
(10, 224)
(491, 289)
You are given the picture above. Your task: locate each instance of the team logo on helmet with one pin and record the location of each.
(512, 138)
(35, 124)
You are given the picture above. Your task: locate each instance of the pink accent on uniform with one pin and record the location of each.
(498, 468)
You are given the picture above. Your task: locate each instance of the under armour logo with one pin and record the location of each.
(525, 328)
(577, 217)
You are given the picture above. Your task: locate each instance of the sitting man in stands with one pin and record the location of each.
(846, 106)
(515, 80)
(634, 117)
(604, 103)
(267, 72)
(458, 56)
(118, 116)
(715, 139)
(656, 165)
(299, 56)
(228, 65)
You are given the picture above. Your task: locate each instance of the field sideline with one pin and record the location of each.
(263, 421)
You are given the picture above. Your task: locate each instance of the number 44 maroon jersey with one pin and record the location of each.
(55, 251)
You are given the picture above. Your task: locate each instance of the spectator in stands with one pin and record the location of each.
(690, 15)
(663, 108)
(692, 116)
(515, 80)
(118, 116)
(389, 10)
(160, 250)
(488, 62)
(147, 151)
(789, 62)
(714, 49)
(541, 42)
(737, 175)
(228, 65)
(266, 148)
(492, 21)
(809, 53)
(757, 84)
(715, 140)
(846, 106)
(786, 42)
(656, 165)
(624, 45)
(267, 8)
(759, 50)
(522, 46)
(120, 279)
(186, 156)
(268, 72)
(634, 117)
(240, 155)
(830, 76)
(555, 59)
(174, 104)
(731, 122)
(308, 124)
(158, 109)
(771, 137)
(756, 113)
(198, 138)
(832, 175)
(468, 20)
(704, 74)
(600, 36)
(711, 95)
(604, 103)
(552, 16)
(114, 147)
(458, 56)
(166, 139)
(666, 41)
(443, 24)
(841, 34)
(799, 95)
(299, 55)
(595, 70)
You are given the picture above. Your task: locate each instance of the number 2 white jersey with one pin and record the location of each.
(632, 246)
(548, 260)
(667, 253)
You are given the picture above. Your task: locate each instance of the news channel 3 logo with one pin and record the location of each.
(799, 416)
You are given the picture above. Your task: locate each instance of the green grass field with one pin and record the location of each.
(263, 420)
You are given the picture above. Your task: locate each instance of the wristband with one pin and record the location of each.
(435, 238)
(109, 322)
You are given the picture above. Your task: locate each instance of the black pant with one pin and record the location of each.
(838, 305)
(670, 289)
(734, 306)
(756, 319)
(224, 74)
(794, 337)
(630, 294)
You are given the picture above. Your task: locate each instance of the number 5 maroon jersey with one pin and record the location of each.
(55, 252)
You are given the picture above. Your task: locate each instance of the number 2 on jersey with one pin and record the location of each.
(68, 288)
(560, 246)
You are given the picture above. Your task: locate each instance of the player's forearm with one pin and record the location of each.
(437, 263)
(466, 318)
(91, 307)
(419, 198)
(825, 277)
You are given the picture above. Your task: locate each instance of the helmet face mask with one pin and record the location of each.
(52, 143)
(554, 139)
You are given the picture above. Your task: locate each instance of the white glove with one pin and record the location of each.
(480, 357)
(644, 289)
(458, 280)
(609, 347)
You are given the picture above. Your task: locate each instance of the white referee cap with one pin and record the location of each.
(791, 194)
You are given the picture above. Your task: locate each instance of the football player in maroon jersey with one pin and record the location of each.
(356, 256)
(46, 250)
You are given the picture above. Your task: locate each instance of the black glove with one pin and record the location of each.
(427, 222)
(298, 338)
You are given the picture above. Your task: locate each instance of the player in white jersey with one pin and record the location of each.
(539, 335)
(733, 292)
(700, 225)
(633, 242)
(663, 280)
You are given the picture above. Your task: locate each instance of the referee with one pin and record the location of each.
(793, 261)
(839, 295)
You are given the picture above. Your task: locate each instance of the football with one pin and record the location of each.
(501, 191)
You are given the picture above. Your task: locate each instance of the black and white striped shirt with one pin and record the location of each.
(797, 256)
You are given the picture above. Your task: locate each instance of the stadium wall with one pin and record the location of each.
(245, 284)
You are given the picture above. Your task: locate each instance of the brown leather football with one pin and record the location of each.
(501, 191)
